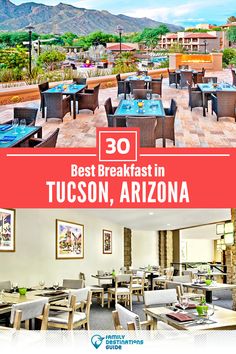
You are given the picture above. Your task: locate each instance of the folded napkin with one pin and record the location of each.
(7, 138)
(126, 106)
(190, 307)
(180, 317)
(55, 293)
(5, 127)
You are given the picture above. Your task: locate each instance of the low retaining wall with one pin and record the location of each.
(28, 93)
(212, 61)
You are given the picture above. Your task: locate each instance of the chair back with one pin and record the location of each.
(108, 107)
(156, 86)
(118, 77)
(43, 87)
(174, 285)
(82, 276)
(208, 79)
(80, 294)
(80, 80)
(186, 77)
(5, 285)
(123, 278)
(50, 141)
(141, 94)
(226, 104)
(233, 71)
(124, 319)
(73, 283)
(183, 67)
(29, 114)
(147, 129)
(160, 297)
(28, 310)
(137, 84)
(169, 273)
(182, 278)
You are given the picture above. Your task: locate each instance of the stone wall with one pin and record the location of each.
(165, 248)
(230, 258)
(127, 247)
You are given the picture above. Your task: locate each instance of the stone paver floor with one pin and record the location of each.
(191, 128)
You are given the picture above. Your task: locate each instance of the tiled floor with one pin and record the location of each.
(191, 128)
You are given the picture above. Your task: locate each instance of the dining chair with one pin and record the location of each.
(66, 317)
(110, 110)
(168, 130)
(195, 97)
(172, 78)
(185, 78)
(208, 79)
(138, 285)
(233, 71)
(57, 105)
(121, 85)
(26, 311)
(88, 99)
(156, 86)
(147, 129)
(160, 297)
(224, 104)
(160, 280)
(50, 141)
(96, 290)
(42, 88)
(180, 291)
(198, 77)
(137, 85)
(122, 290)
(29, 114)
(141, 94)
(5, 285)
(124, 319)
(73, 283)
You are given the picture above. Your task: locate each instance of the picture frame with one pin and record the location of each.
(69, 240)
(107, 241)
(7, 230)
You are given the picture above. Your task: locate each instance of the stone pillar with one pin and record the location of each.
(217, 61)
(165, 248)
(230, 258)
(175, 59)
(127, 248)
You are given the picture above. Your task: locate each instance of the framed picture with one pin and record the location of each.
(107, 241)
(183, 251)
(69, 240)
(7, 230)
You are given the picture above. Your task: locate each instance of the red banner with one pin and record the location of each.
(117, 174)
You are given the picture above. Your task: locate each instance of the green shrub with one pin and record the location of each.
(228, 55)
(164, 64)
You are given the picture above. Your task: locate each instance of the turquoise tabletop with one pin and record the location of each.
(220, 87)
(131, 108)
(135, 77)
(66, 89)
(11, 136)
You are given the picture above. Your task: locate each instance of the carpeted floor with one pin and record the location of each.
(101, 318)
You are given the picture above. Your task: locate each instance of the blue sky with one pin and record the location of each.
(182, 12)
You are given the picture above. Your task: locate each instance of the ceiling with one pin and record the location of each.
(160, 219)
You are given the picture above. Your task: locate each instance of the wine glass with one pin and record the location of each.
(14, 287)
(184, 302)
(209, 312)
(22, 124)
(55, 285)
(149, 95)
(15, 123)
(41, 284)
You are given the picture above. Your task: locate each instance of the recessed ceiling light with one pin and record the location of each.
(168, 224)
(151, 213)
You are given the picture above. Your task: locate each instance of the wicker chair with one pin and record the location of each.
(29, 114)
(172, 78)
(50, 141)
(43, 87)
(233, 71)
(137, 85)
(183, 67)
(156, 86)
(142, 73)
(141, 94)
(110, 110)
(57, 106)
(122, 87)
(80, 80)
(198, 77)
(208, 79)
(195, 97)
(185, 77)
(224, 104)
(147, 129)
(89, 99)
(169, 123)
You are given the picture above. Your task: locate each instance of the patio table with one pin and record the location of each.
(150, 108)
(68, 90)
(213, 88)
(12, 137)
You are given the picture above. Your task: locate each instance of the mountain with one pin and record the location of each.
(67, 18)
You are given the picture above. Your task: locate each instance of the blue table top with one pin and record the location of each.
(135, 77)
(150, 108)
(220, 87)
(10, 137)
(68, 89)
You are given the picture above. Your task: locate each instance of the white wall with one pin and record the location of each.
(144, 248)
(35, 258)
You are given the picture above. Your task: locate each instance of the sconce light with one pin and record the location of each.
(226, 231)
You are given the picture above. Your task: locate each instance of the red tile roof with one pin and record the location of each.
(200, 35)
(116, 47)
(172, 36)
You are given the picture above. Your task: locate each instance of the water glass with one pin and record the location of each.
(41, 284)
(210, 312)
(149, 95)
(55, 285)
(22, 124)
(14, 287)
(184, 302)
(15, 123)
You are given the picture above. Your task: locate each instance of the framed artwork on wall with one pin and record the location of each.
(69, 240)
(107, 241)
(7, 230)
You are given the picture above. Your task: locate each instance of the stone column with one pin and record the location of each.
(230, 258)
(165, 248)
(127, 248)
(175, 59)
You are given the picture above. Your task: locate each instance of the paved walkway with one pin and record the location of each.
(191, 128)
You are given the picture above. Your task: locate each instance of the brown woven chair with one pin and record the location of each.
(122, 87)
(156, 86)
(233, 71)
(169, 123)
(195, 97)
(57, 106)
(183, 67)
(49, 142)
(80, 80)
(208, 79)
(141, 94)
(110, 110)
(137, 85)
(147, 129)
(224, 104)
(172, 78)
(198, 77)
(29, 114)
(185, 77)
(88, 99)
(43, 87)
